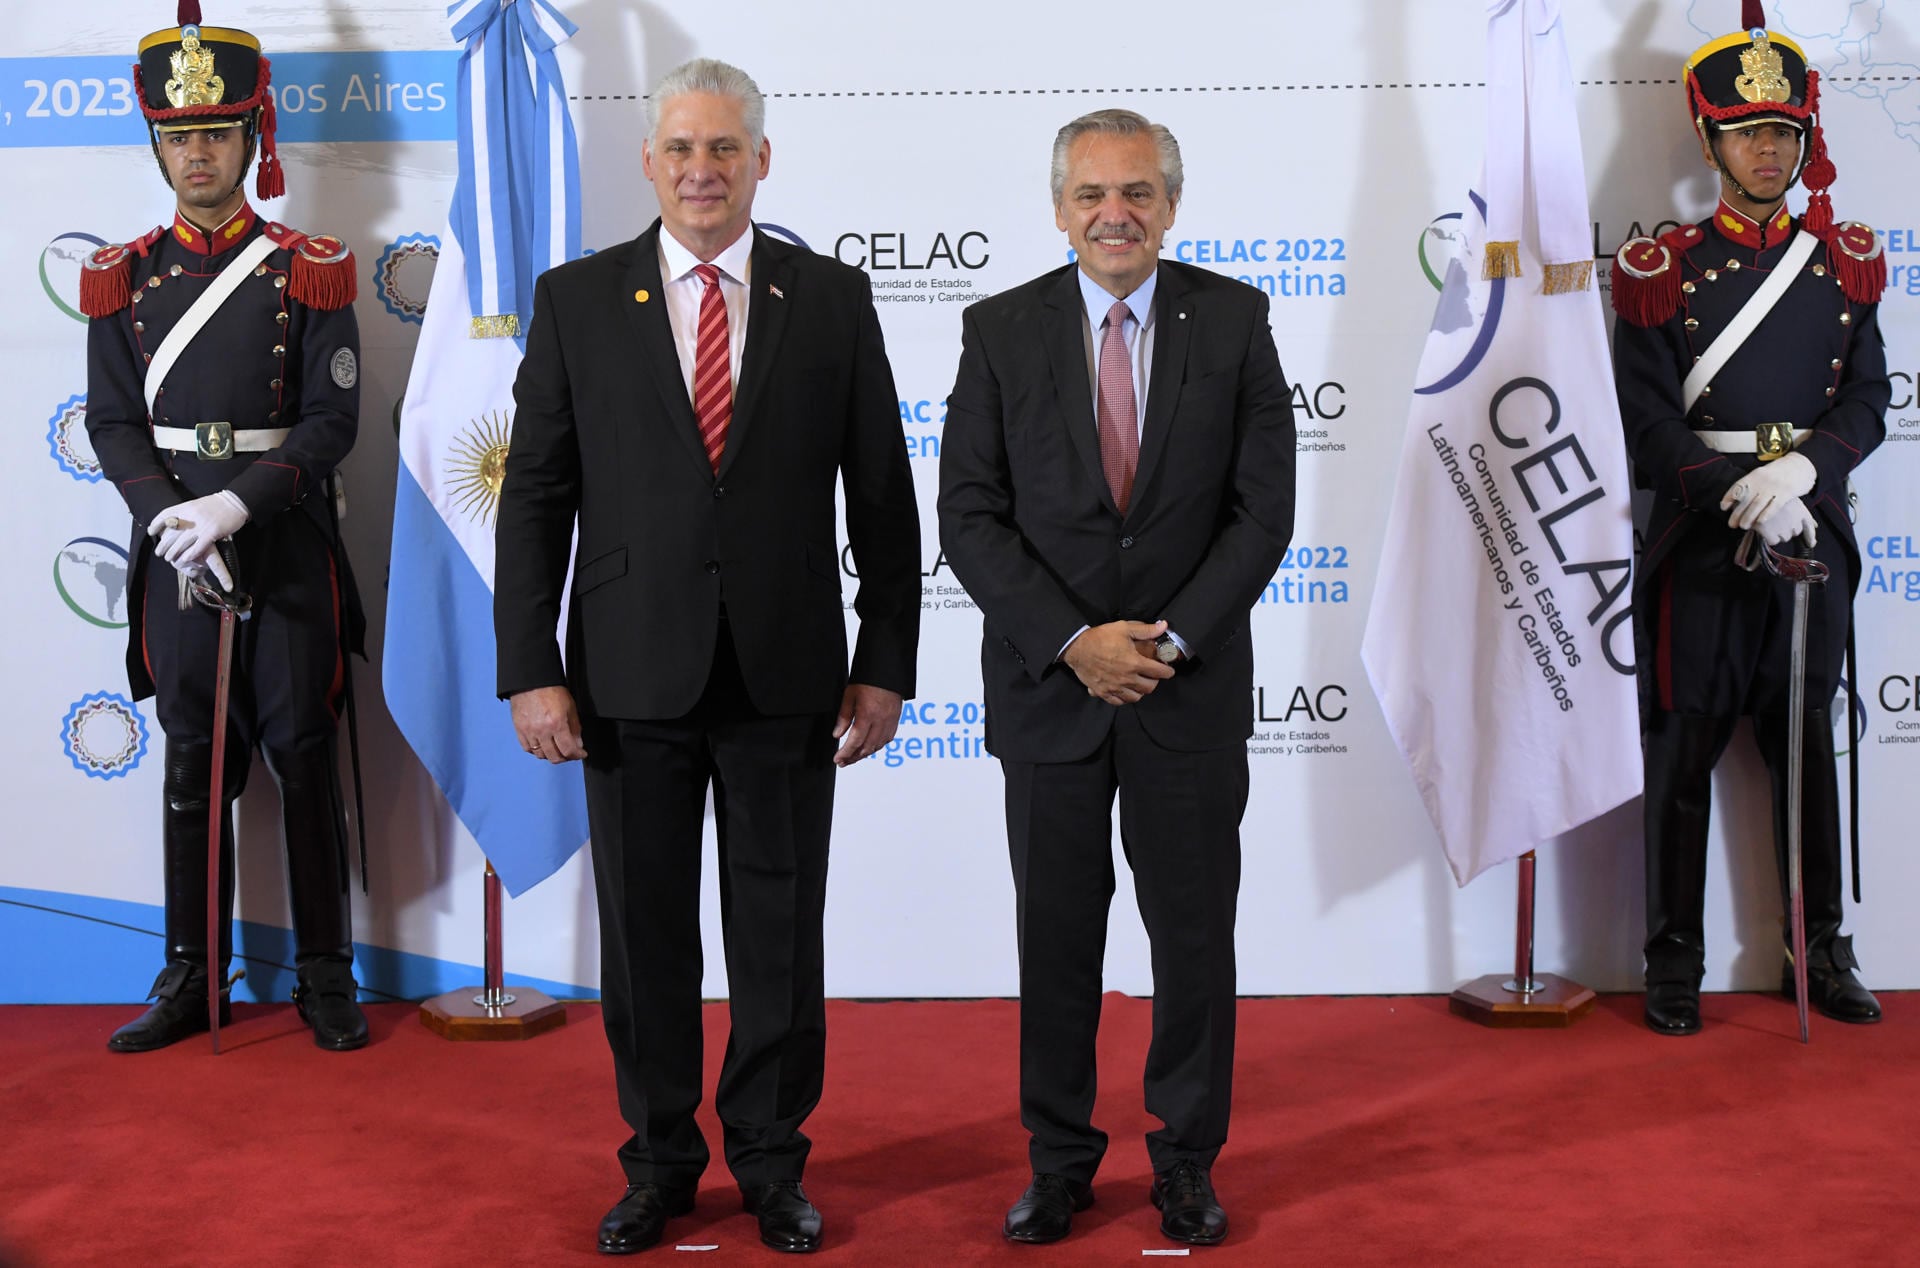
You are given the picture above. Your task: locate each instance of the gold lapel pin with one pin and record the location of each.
(641, 297)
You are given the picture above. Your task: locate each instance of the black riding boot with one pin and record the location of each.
(1680, 753)
(180, 992)
(1831, 986)
(312, 818)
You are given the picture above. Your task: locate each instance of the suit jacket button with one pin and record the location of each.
(1126, 543)
(712, 565)
(719, 491)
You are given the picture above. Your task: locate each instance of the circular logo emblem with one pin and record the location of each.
(67, 438)
(345, 368)
(405, 275)
(91, 575)
(60, 263)
(104, 735)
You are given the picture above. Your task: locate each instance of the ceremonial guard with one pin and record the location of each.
(1752, 381)
(222, 391)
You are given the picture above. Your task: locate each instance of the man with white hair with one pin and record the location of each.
(689, 399)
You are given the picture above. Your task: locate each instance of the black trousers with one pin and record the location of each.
(772, 782)
(1180, 832)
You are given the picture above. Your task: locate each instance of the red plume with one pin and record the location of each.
(1752, 13)
(190, 12)
(270, 181)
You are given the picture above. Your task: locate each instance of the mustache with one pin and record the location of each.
(1131, 233)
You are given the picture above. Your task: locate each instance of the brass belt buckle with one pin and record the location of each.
(1773, 440)
(213, 440)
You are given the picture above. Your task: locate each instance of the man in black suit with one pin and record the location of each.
(1116, 487)
(690, 397)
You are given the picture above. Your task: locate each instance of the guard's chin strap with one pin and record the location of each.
(1720, 165)
(251, 125)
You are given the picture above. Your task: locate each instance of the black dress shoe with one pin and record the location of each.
(1673, 1008)
(1189, 1212)
(1044, 1212)
(327, 1000)
(636, 1220)
(787, 1220)
(1832, 988)
(179, 1011)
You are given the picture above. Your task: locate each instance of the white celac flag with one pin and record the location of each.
(1500, 637)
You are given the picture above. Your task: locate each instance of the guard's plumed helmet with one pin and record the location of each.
(192, 76)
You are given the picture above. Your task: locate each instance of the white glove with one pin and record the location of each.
(1763, 490)
(189, 531)
(1789, 520)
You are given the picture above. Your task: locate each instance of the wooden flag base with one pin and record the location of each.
(459, 1015)
(1556, 1002)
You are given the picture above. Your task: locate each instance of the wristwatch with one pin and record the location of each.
(1165, 650)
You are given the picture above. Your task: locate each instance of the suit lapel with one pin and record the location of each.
(653, 331)
(766, 323)
(1172, 330)
(1066, 340)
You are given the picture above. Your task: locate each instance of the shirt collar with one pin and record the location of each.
(1099, 301)
(676, 261)
(198, 241)
(1739, 227)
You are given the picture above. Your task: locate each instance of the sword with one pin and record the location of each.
(1804, 573)
(234, 606)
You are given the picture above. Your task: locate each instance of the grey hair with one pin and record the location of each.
(704, 74)
(1118, 123)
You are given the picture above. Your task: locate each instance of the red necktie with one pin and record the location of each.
(712, 370)
(1119, 424)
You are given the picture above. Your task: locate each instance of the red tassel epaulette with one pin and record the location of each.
(1857, 256)
(106, 276)
(1646, 276)
(323, 274)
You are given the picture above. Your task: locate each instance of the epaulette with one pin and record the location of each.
(323, 274)
(106, 276)
(1858, 258)
(1646, 276)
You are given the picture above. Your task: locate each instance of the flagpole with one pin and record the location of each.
(490, 1011)
(1525, 1000)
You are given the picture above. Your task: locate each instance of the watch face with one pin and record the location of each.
(1166, 649)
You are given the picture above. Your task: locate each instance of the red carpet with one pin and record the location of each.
(1366, 1131)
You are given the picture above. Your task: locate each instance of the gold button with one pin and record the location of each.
(1819, 270)
(279, 349)
(1734, 265)
(1846, 319)
(1829, 391)
(1706, 418)
(1834, 364)
(175, 271)
(278, 282)
(153, 281)
(275, 385)
(1707, 390)
(281, 318)
(139, 326)
(1693, 323)
(138, 295)
(1713, 275)
(148, 355)
(1687, 287)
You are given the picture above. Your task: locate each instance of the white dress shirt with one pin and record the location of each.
(683, 291)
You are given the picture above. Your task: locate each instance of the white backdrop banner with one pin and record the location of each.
(1328, 150)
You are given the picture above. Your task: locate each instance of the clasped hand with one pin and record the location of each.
(1115, 661)
(189, 532)
(1762, 491)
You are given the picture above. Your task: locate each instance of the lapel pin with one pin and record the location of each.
(1181, 316)
(777, 292)
(641, 297)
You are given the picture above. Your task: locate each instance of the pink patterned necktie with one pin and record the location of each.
(712, 371)
(1119, 423)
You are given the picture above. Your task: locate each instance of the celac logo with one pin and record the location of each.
(1468, 314)
(60, 264)
(91, 575)
(404, 275)
(104, 735)
(67, 438)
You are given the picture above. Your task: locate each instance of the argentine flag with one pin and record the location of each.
(515, 213)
